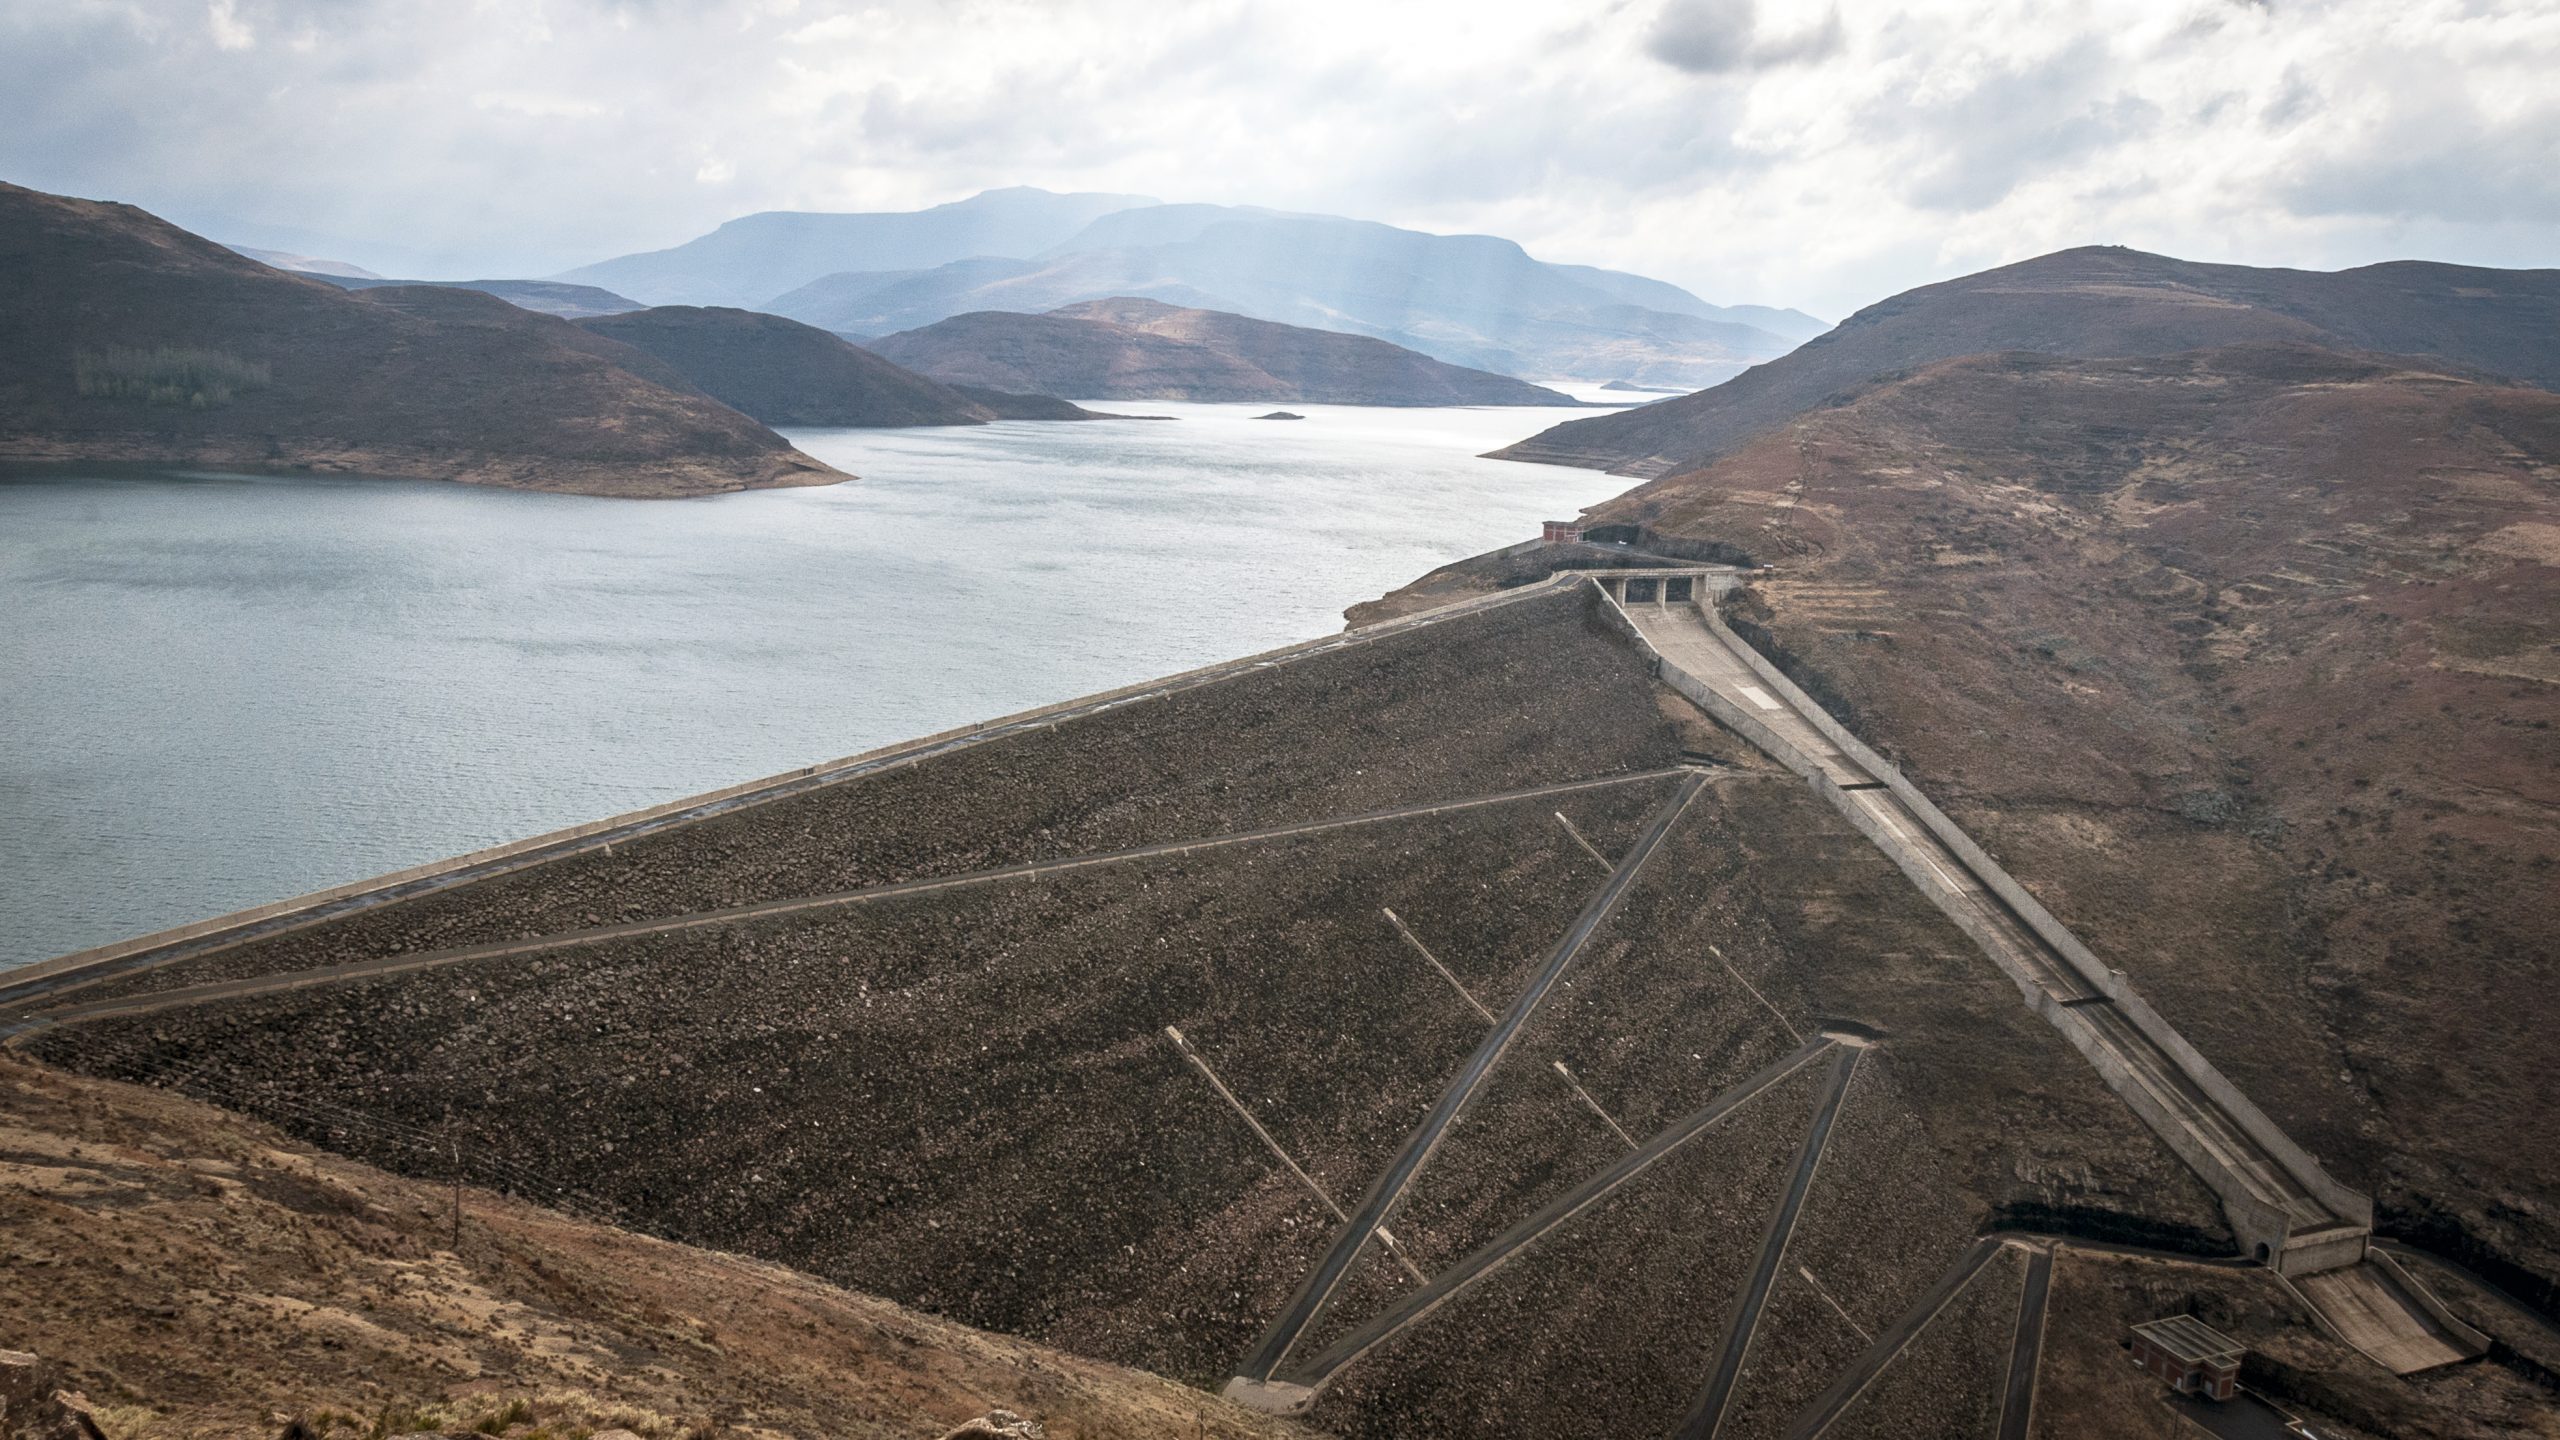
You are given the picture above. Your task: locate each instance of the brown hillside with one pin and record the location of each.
(785, 373)
(1130, 349)
(1083, 359)
(1322, 366)
(200, 1275)
(125, 338)
(2091, 302)
(2247, 661)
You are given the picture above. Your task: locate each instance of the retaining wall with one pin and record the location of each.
(2256, 1221)
(2346, 1204)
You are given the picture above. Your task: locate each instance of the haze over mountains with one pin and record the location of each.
(1470, 300)
(1129, 349)
(2095, 301)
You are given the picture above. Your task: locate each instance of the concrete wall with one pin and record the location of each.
(2256, 1222)
(1726, 713)
(2465, 1338)
(2348, 1205)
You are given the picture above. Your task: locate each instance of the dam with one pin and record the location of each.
(1535, 1009)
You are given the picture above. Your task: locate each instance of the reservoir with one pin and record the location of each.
(220, 690)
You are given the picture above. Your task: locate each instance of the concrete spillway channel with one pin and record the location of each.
(2026, 1347)
(1862, 1372)
(1253, 1376)
(1304, 1378)
(2283, 1205)
(1707, 1415)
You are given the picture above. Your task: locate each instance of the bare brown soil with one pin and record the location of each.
(2245, 662)
(2093, 302)
(201, 1275)
(2224, 656)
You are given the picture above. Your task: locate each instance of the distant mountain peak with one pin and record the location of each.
(305, 264)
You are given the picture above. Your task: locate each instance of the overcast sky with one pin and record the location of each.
(1783, 153)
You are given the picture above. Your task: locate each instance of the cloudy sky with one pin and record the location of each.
(1820, 156)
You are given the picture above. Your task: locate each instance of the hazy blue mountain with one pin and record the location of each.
(305, 264)
(547, 297)
(756, 257)
(1471, 300)
(881, 302)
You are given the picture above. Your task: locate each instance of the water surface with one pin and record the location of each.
(217, 690)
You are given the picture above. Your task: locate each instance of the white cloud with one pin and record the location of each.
(229, 32)
(1714, 37)
(1779, 152)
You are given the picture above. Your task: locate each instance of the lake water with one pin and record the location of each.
(217, 690)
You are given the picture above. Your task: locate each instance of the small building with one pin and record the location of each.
(1562, 532)
(2189, 1356)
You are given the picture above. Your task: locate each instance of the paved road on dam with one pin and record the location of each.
(1390, 1186)
(159, 1000)
(1680, 634)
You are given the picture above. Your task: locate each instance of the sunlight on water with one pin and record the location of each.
(217, 691)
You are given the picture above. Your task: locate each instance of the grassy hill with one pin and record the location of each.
(1134, 349)
(124, 338)
(2245, 661)
(785, 373)
(2093, 302)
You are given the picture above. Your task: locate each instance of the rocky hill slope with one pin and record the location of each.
(2245, 660)
(785, 373)
(1131, 349)
(199, 1275)
(124, 338)
(2099, 301)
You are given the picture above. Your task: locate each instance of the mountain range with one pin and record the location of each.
(123, 337)
(1131, 349)
(549, 297)
(1469, 300)
(785, 373)
(2092, 302)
